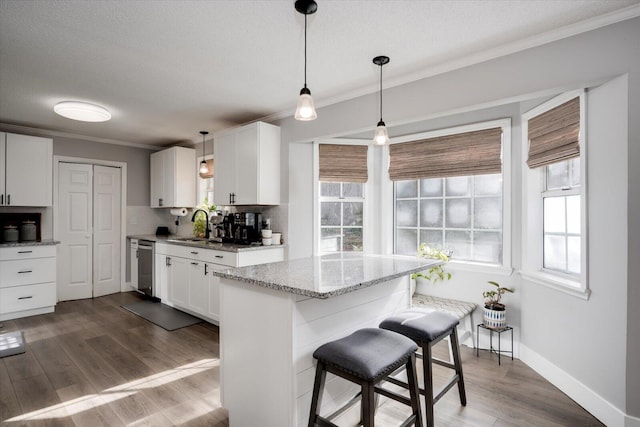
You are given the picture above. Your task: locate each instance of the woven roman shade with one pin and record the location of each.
(469, 153)
(343, 163)
(553, 135)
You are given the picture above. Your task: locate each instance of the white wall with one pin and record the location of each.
(598, 356)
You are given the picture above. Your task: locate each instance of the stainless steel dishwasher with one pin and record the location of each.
(145, 267)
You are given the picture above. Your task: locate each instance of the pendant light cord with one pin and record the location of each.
(305, 50)
(380, 92)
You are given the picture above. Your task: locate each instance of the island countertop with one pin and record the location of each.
(328, 275)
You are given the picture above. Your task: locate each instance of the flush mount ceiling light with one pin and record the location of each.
(381, 137)
(82, 111)
(204, 170)
(305, 110)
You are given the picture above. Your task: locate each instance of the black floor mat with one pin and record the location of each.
(162, 315)
(11, 343)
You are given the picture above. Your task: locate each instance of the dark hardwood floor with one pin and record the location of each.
(92, 363)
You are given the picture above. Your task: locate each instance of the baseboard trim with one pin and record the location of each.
(583, 395)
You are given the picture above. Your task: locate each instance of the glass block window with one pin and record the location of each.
(341, 216)
(462, 214)
(562, 217)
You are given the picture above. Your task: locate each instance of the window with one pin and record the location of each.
(463, 210)
(462, 214)
(561, 217)
(554, 195)
(205, 185)
(341, 216)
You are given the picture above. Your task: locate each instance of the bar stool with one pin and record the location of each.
(427, 329)
(366, 358)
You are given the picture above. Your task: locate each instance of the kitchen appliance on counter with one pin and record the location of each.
(242, 227)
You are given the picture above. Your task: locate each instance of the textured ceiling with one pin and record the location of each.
(167, 69)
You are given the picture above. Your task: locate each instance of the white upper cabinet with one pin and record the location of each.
(26, 170)
(248, 166)
(173, 178)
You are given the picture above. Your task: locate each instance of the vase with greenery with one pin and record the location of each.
(495, 312)
(437, 272)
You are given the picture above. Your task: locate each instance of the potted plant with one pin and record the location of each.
(435, 273)
(200, 224)
(495, 312)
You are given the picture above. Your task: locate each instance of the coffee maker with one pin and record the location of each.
(242, 227)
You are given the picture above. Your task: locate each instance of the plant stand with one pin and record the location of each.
(491, 330)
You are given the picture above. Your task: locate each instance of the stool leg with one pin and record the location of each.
(368, 404)
(318, 388)
(427, 368)
(414, 391)
(458, 364)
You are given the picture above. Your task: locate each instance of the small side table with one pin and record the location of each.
(499, 331)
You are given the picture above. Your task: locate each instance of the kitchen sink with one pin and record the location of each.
(189, 239)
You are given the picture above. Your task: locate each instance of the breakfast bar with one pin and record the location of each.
(273, 316)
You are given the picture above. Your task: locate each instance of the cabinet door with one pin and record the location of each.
(184, 180)
(213, 285)
(3, 161)
(225, 168)
(157, 179)
(161, 277)
(198, 296)
(247, 159)
(29, 170)
(178, 281)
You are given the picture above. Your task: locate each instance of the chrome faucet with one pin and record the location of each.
(206, 216)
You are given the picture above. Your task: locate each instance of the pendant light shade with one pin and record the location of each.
(381, 136)
(305, 109)
(204, 170)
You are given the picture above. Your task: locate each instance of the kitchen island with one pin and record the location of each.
(273, 317)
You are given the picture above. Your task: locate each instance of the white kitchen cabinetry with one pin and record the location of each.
(26, 172)
(27, 281)
(185, 273)
(248, 166)
(173, 178)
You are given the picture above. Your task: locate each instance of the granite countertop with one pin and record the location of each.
(203, 244)
(44, 242)
(329, 275)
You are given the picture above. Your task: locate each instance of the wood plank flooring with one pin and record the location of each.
(92, 363)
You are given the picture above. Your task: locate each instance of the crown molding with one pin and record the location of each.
(7, 127)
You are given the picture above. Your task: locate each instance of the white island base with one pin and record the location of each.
(267, 339)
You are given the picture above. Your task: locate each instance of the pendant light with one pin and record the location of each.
(204, 170)
(305, 110)
(381, 136)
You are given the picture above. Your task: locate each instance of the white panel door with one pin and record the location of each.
(3, 159)
(225, 168)
(178, 281)
(75, 223)
(106, 230)
(247, 155)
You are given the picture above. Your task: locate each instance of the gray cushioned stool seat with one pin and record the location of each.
(421, 326)
(367, 353)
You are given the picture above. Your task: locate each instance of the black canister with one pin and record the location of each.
(10, 233)
(28, 231)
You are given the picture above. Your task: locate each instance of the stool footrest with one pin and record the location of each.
(355, 399)
(453, 381)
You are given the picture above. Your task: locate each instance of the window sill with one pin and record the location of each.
(569, 287)
(476, 267)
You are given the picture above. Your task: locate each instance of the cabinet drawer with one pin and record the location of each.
(20, 298)
(229, 259)
(24, 252)
(27, 271)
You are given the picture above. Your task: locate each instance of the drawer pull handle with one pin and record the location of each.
(195, 253)
(25, 252)
(220, 256)
(194, 263)
(25, 271)
(29, 297)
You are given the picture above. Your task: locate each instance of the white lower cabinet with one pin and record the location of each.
(183, 276)
(27, 281)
